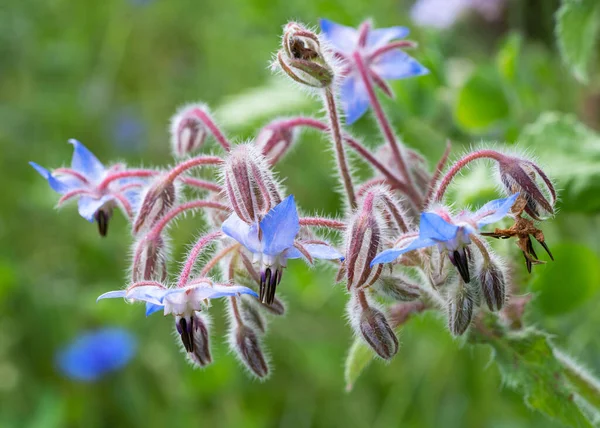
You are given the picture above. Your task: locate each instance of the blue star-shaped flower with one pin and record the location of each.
(272, 241)
(83, 181)
(383, 60)
(452, 235)
(96, 353)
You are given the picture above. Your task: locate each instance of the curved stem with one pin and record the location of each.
(400, 44)
(438, 172)
(322, 222)
(464, 161)
(336, 134)
(191, 163)
(201, 184)
(193, 256)
(174, 212)
(130, 173)
(216, 258)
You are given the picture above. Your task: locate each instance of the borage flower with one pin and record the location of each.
(184, 303)
(451, 234)
(85, 180)
(272, 241)
(371, 51)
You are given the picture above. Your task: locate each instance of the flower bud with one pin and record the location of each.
(397, 287)
(249, 183)
(187, 132)
(302, 57)
(150, 260)
(460, 308)
(246, 345)
(251, 314)
(493, 286)
(274, 140)
(193, 331)
(159, 198)
(525, 177)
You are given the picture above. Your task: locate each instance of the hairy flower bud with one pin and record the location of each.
(460, 308)
(273, 140)
(158, 199)
(251, 314)
(397, 287)
(249, 183)
(525, 177)
(193, 331)
(493, 286)
(188, 133)
(246, 345)
(302, 57)
(150, 259)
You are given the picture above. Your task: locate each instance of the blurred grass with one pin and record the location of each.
(73, 69)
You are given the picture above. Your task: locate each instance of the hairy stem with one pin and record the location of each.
(193, 256)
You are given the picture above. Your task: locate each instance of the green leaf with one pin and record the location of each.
(570, 155)
(507, 58)
(359, 357)
(481, 102)
(569, 281)
(577, 26)
(528, 365)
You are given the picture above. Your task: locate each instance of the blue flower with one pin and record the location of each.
(96, 353)
(382, 59)
(84, 181)
(272, 241)
(451, 235)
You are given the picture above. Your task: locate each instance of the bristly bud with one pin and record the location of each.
(251, 314)
(193, 331)
(247, 348)
(158, 199)
(249, 183)
(302, 57)
(460, 308)
(187, 132)
(525, 177)
(274, 139)
(150, 260)
(373, 326)
(397, 287)
(493, 285)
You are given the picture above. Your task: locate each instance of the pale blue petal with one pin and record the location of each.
(148, 293)
(494, 210)
(354, 98)
(397, 64)
(96, 353)
(60, 185)
(88, 206)
(113, 295)
(317, 251)
(382, 36)
(393, 253)
(280, 227)
(152, 308)
(202, 292)
(85, 162)
(238, 229)
(343, 39)
(434, 227)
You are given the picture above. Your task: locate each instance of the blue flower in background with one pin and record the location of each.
(272, 241)
(381, 59)
(128, 129)
(452, 235)
(96, 353)
(84, 181)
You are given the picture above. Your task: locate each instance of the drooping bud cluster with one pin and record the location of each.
(159, 198)
(303, 58)
(188, 133)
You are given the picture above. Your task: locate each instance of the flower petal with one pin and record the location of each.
(317, 251)
(434, 227)
(113, 295)
(381, 36)
(397, 64)
(280, 227)
(96, 353)
(393, 253)
(85, 162)
(59, 184)
(494, 211)
(245, 234)
(152, 308)
(342, 38)
(204, 291)
(354, 98)
(88, 206)
(148, 293)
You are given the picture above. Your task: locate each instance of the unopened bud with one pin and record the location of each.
(302, 57)
(158, 199)
(525, 177)
(193, 331)
(251, 314)
(249, 183)
(274, 140)
(460, 308)
(397, 287)
(247, 347)
(493, 286)
(187, 132)
(150, 260)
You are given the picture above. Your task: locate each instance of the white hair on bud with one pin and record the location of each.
(180, 115)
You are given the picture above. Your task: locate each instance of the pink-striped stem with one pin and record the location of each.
(322, 222)
(192, 163)
(201, 184)
(186, 272)
(129, 173)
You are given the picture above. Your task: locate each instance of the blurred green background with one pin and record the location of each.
(111, 74)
